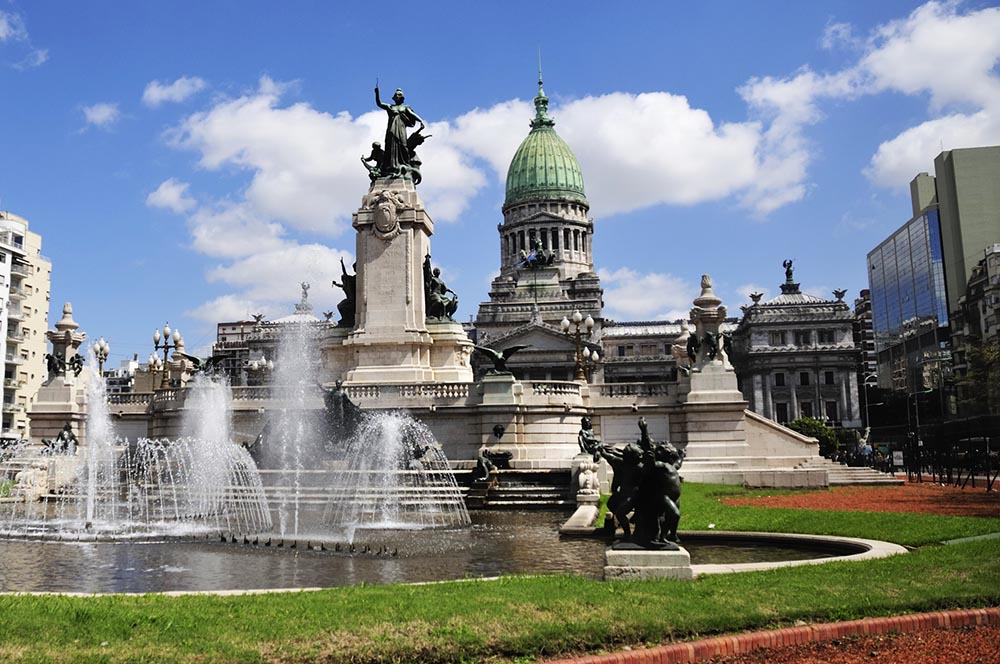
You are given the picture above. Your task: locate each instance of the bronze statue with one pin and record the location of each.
(588, 442)
(373, 160)
(711, 345)
(499, 358)
(693, 346)
(347, 306)
(75, 364)
(55, 363)
(397, 159)
(438, 304)
(647, 485)
(788, 269)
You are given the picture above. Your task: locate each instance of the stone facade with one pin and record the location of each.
(796, 357)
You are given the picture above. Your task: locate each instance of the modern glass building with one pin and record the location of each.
(909, 304)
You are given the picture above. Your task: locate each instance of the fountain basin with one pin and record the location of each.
(723, 552)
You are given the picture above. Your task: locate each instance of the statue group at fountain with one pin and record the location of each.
(646, 488)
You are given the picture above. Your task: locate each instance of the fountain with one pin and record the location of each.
(104, 489)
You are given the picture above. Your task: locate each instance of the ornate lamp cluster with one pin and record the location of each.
(155, 364)
(581, 330)
(101, 350)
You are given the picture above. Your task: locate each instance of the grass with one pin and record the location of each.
(521, 618)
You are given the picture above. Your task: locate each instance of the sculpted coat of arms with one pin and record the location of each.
(387, 206)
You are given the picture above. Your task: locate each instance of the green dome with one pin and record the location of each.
(544, 168)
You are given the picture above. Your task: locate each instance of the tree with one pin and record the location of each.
(980, 386)
(807, 426)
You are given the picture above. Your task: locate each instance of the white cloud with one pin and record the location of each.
(156, 93)
(224, 308)
(12, 27)
(272, 278)
(839, 35)
(233, 230)
(633, 295)
(102, 115)
(171, 195)
(746, 289)
(35, 58)
(939, 50)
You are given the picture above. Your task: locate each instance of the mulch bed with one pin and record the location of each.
(965, 645)
(925, 497)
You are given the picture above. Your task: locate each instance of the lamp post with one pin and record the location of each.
(154, 364)
(868, 378)
(581, 331)
(166, 346)
(101, 350)
(262, 365)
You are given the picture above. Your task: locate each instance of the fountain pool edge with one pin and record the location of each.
(867, 549)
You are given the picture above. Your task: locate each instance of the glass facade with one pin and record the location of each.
(908, 300)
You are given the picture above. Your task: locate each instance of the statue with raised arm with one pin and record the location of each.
(347, 306)
(397, 158)
(787, 264)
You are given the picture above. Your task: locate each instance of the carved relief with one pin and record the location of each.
(387, 206)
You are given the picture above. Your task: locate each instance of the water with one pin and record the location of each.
(107, 489)
(395, 476)
(498, 542)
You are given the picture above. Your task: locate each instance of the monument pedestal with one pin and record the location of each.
(392, 341)
(637, 564)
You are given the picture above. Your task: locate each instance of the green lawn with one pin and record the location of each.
(520, 618)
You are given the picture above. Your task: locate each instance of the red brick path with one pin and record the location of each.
(700, 651)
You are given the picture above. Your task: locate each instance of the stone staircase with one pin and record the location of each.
(840, 474)
(522, 489)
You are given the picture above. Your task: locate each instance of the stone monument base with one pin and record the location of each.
(638, 563)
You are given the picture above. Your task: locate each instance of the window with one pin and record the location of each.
(621, 351)
(826, 337)
(779, 379)
(781, 412)
(828, 378)
(776, 338)
(803, 338)
(803, 378)
(806, 408)
(831, 411)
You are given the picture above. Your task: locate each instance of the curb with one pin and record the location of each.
(735, 644)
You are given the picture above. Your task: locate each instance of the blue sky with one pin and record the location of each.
(193, 161)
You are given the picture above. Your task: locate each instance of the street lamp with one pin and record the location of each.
(101, 350)
(262, 365)
(154, 364)
(582, 329)
(166, 346)
(868, 378)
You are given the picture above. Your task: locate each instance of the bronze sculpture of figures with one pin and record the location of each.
(788, 269)
(347, 306)
(439, 304)
(396, 157)
(647, 485)
(587, 440)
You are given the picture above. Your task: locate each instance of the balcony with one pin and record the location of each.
(14, 312)
(8, 239)
(13, 336)
(14, 358)
(17, 294)
(9, 407)
(23, 270)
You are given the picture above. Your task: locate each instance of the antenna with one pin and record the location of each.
(539, 65)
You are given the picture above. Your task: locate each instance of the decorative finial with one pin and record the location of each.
(542, 118)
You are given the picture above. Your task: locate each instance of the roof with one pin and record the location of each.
(544, 168)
